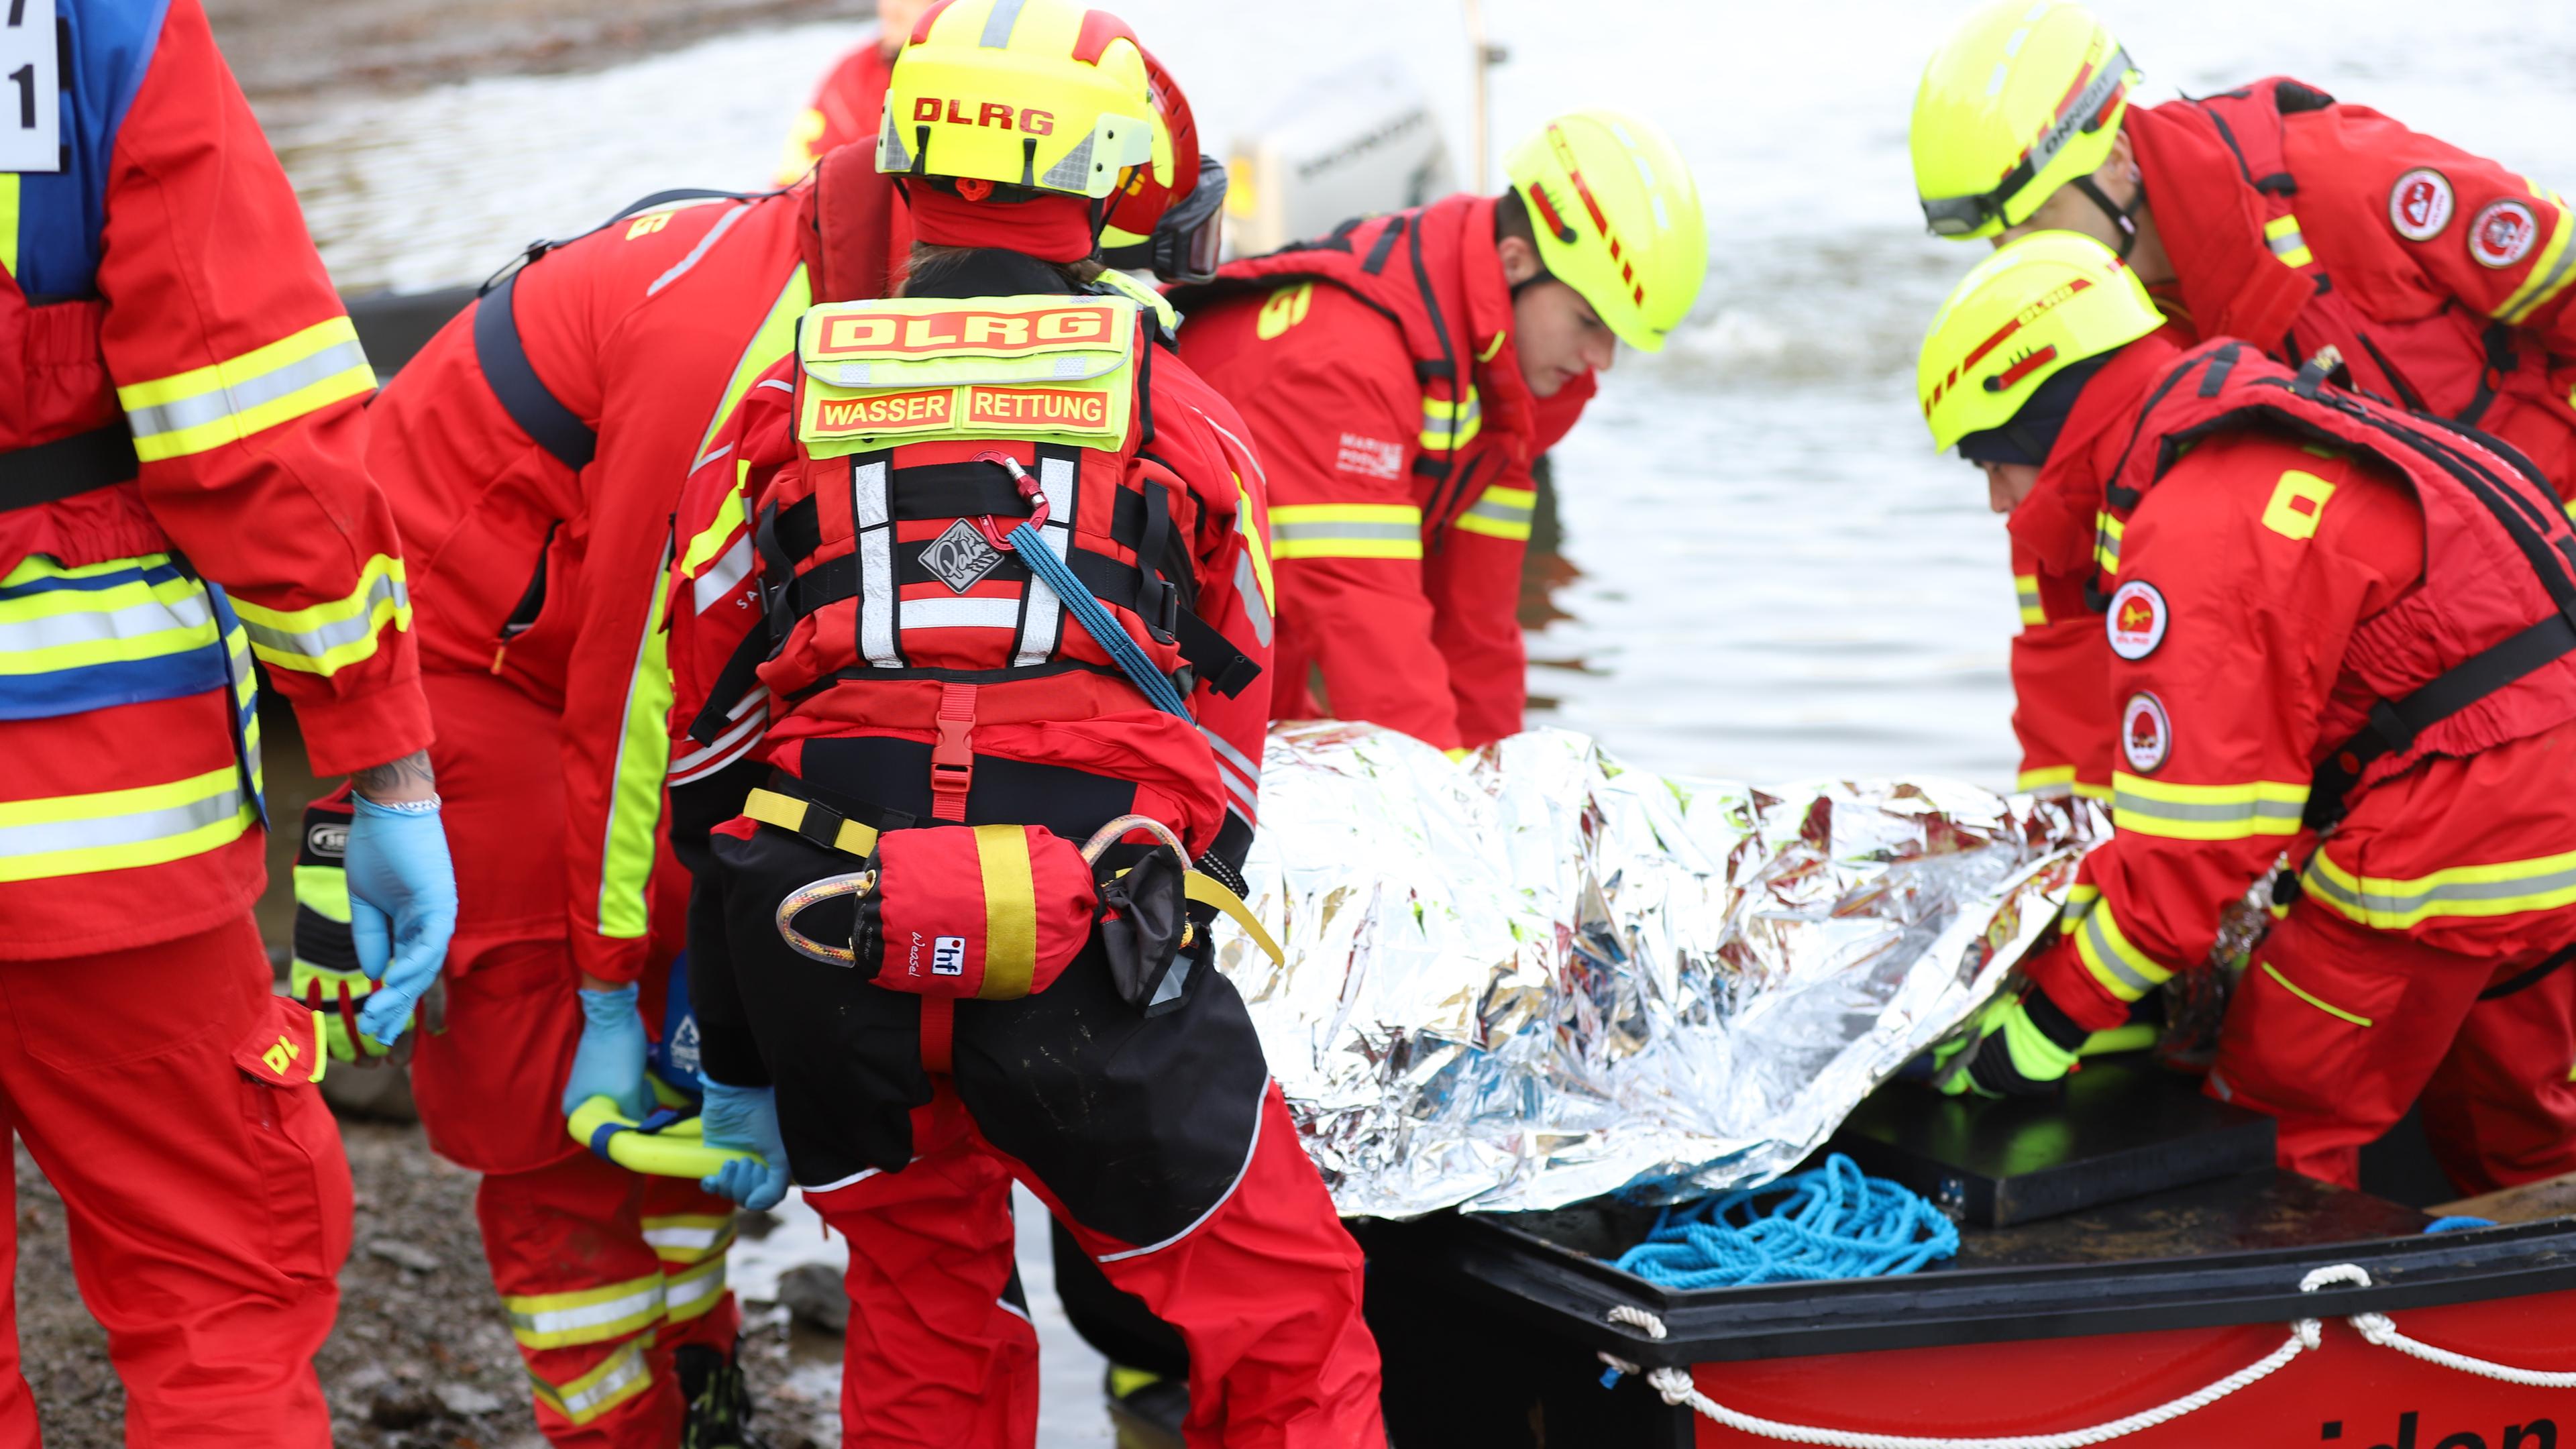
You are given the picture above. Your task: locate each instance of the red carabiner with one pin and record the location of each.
(1029, 489)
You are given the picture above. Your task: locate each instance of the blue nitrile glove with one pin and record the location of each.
(745, 1118)
(610, 1060)
(402, 908)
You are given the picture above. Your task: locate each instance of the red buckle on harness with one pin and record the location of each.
(952, 757)
(1029, 489)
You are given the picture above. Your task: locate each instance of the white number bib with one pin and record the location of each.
(30, 88)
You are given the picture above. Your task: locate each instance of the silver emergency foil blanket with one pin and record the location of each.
(1537, 976)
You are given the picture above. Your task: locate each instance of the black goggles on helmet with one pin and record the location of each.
(1188, 239)
(2081, 115)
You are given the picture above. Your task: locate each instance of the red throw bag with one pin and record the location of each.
(994, 912)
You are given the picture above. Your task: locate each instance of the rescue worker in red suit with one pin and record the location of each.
(183, 489)
(2428, 277)
(1401, 375)
(2336, 628)
(918, 677)
(851, 100)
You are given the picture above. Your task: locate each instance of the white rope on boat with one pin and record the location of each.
(1677, 1387)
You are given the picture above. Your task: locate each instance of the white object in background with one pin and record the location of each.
(31, 111)
(1355, 142)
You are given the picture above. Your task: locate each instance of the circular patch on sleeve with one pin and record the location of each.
(2146, 733)
(2503, 233)
(2137, 620)
(2419, 205)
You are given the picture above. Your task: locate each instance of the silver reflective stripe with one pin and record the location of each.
(646, 1301)
(2110, 957)
(317, 643)
(681, 268)
(1229, 753)
(1309, 532)
(250, 392)
(961, 613)
(1044, 626)
(700, 1283)
(2227, 812)
(1247, 587)
(1073, 173)
(876, 564)
(723, 576)
(87, 626)
(627, 1369)
(1498, 510)
(1260, 1110)
(692, 1236)
(2438, 893)
(998, 24)
(2286, 243)
(44, 837)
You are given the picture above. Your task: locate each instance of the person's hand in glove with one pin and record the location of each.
(402, 891)
(339, 996)
(746, 1119)
(610, 1060)
(2024, 1047)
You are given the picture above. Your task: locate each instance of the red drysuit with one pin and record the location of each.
(181, 488)
(2291, 568)
(542, 539)
(845, 111)
(2439, 278)
(952, 688)
(1400, 506)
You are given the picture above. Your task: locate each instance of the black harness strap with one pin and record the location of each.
(2395, 725)
(2524, 981)
(67, 467)
(503, 360)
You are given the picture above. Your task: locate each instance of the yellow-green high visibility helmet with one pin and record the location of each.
(1617, 217)
(2024, 97)
(1042, 94)
(2035, 308)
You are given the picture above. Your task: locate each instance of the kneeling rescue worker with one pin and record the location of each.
(2319, 231)
(2336, 628)
(986, 549)
(183, 487)
(1402, 375)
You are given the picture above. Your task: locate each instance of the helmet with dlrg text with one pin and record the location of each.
(1175, 227)
(1617, 217)
(1017, 122)
(2026, 96)
(2039, 307)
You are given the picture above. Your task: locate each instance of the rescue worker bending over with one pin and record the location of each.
(182, 489)
(533, 452)
(987, 550)
(2428, 277)
(2337, 630)
(1401, 375)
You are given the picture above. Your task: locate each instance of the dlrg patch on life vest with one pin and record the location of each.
(914, 369)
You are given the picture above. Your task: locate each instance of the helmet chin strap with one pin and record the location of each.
(2123, 217)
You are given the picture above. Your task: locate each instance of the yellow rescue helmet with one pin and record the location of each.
(1617, 217)
(1041, 94)
(2023, 98)
(2035, 308)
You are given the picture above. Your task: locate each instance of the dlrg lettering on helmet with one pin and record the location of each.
(987, 113)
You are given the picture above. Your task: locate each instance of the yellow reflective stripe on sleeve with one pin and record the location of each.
(9, 222)
(2546, 883)
(2329, 1009)
(1345, 530)
(2549, 275)
(2080, 900)
(775, 339)
(327, 638)
(2058, 780)
(120, 829)
(635, 789)
(619, 1377)
(1449, 424)
(687, 1295)
(2125, 971)
(2205, 812)
(2106, 545)
(210, 406)
(688, 1237)
(1502, 513)
(48, 622)
(592, 1315)
(2282, 235)
(2026, 593)
(1256, 547)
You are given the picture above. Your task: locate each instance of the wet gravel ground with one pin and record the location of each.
(421, 1357)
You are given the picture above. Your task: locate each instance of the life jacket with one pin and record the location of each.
(2219, 176)
(929, 429)
(1409, 267)
(2479, 653)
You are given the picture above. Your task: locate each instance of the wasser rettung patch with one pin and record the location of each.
(911, 370)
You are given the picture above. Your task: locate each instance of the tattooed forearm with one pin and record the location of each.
(408, 778)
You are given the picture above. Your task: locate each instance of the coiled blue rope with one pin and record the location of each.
(1833, 1222)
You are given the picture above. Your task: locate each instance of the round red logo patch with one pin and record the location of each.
(2502, 233)
(2146, 733)
(2137, 620)
(2419, 205)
